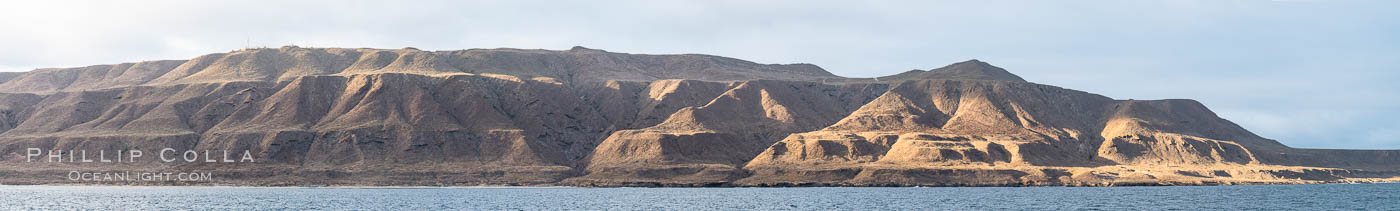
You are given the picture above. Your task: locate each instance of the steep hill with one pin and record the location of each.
(708, 144)
(578, 65)
(336, 116)
(966, 70)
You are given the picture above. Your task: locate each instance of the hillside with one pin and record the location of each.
(587, 117)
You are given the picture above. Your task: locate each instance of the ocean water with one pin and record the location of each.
(1268, 197)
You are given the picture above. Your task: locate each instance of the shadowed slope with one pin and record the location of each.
(579, 66)
(337, 116)
(706, 144)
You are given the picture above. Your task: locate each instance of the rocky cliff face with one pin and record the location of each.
(591, 117)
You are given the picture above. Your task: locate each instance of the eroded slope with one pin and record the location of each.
(332, 116)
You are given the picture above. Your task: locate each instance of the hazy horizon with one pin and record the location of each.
(1311, 74)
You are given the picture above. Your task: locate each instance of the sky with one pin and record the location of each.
(1309, 73)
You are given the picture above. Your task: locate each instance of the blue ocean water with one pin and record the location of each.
(1268, 197)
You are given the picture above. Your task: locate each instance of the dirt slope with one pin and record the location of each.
(336, 116)
(707, 144)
